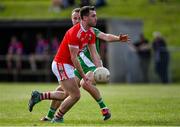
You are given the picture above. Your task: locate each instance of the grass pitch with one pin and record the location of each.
(131, 105)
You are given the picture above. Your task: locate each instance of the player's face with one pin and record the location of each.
(92, 18)
(75, 17)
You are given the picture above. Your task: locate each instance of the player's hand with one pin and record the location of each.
(124, 38)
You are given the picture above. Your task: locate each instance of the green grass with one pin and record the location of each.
(130, 105)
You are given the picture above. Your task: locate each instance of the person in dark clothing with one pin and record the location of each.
(144, 52)
(85, 3)
(161, 57)
(100, 3)
(15, 52)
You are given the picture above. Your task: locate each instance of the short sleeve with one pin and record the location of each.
(73, 39)
(96, 31)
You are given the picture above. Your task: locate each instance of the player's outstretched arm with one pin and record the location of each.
(113, 38)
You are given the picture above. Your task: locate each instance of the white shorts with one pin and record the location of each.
(62, 71)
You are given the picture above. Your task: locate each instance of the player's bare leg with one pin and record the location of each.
(95, 93)
(91, 88)
(36, 97)
(55, 103)
(71, 87)
(53, 107)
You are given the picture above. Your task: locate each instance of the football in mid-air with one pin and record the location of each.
(101, 75)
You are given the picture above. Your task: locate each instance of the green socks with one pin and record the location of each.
(51, 113)
(101, 103)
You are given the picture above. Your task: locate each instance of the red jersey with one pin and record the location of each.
(76, 36)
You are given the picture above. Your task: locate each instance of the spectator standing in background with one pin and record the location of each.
(144, 53)
(15, 51)
(103, 53)
(161, 56)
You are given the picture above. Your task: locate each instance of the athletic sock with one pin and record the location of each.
(51, 113)
(101, 103)
(45, 96)
(59, 114)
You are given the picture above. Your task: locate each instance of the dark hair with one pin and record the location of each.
(84, 11)
(76, 10)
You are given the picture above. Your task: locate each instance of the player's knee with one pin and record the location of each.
(77, 96)
(85, 86)
(66, 94)
(59, 88)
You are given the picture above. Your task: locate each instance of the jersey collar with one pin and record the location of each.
(82, 27)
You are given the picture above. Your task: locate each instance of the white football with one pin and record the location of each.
(101, 75)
